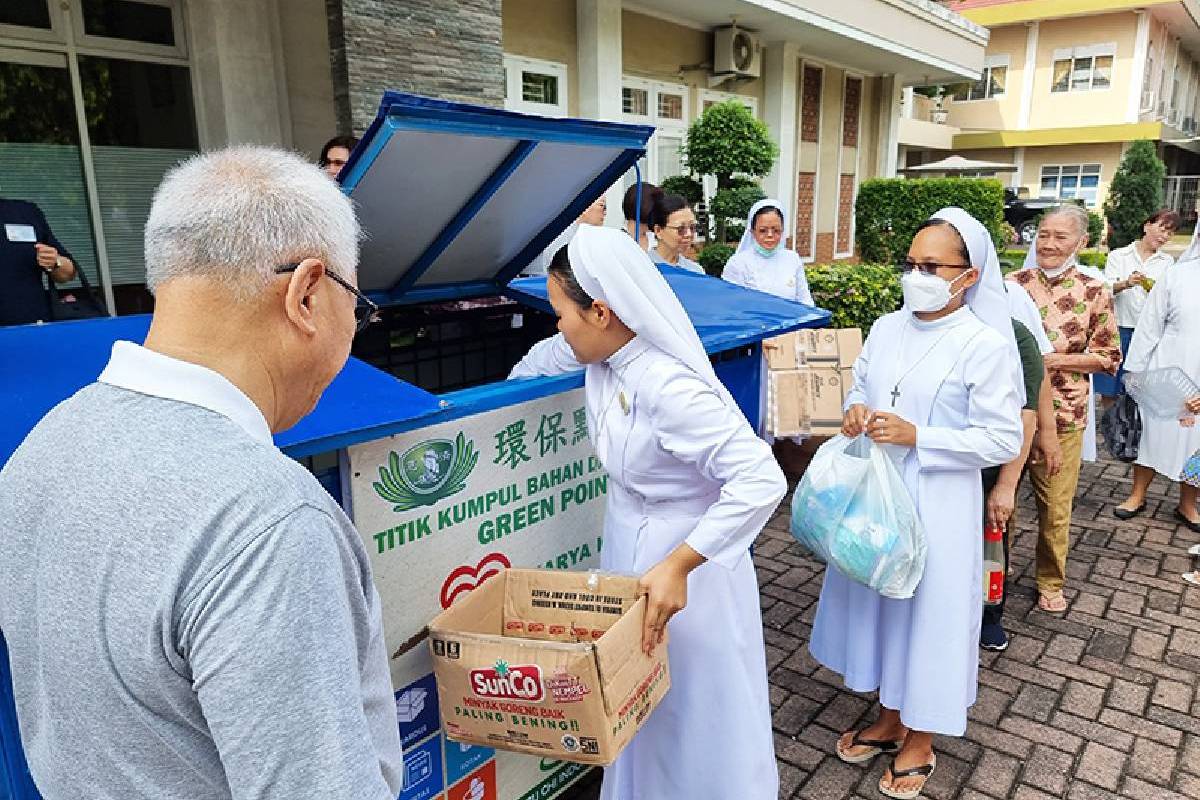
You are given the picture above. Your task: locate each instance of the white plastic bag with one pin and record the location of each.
(853, 512)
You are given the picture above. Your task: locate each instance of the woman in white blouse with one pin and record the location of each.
(689, 488)
(1130, 272)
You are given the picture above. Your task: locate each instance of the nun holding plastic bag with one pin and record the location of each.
(938, 388)
(689, 488)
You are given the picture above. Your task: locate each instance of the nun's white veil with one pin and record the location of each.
(611, 267)
(747, 241)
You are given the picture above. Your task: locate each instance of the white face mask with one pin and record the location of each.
(925, 293)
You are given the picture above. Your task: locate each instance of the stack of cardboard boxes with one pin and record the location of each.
(808, 378)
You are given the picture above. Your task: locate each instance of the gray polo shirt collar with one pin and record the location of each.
(137, 369)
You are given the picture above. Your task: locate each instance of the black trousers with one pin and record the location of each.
(993, 614)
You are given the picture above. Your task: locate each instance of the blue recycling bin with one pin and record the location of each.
(455, 201)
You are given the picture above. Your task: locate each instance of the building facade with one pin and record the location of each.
(111, 93)
(1066, 86)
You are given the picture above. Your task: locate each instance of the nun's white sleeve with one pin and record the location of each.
(694, 424)
(1150, 326)
(735, 272)
(990, 434)
(551, 356)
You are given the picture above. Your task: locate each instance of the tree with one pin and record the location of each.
(1135, 193)
(728, 141)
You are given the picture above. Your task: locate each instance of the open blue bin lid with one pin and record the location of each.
(456, 199)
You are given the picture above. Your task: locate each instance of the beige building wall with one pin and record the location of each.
(829, 156)
(1098, 107)
(1108, 156)
(544, 29)
(1001, 113)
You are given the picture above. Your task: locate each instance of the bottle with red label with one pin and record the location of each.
(993, 564)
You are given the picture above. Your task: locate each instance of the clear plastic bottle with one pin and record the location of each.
(993, 565)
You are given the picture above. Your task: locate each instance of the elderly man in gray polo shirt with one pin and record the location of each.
(188, 613)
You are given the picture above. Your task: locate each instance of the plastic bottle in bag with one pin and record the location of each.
(993, 565)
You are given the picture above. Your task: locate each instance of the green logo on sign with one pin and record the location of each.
(426, 473)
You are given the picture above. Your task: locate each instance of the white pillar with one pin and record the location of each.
(1141, 51)
(891, 101)
(598, 31)
(781, 67)
(1027, 75)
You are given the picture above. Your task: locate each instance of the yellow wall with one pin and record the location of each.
(544, 29)
(1100, 107)
(1108, 156)
(1002, 112)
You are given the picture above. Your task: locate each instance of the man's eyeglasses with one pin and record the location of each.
(365, 310)
(929, 267)
(682, 230)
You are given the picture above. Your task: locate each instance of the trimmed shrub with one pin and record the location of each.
(690, 188)
(713, 257)
(733, 204)
(1135, 193)
(856, 294)
(889, 211)
(1093, 258)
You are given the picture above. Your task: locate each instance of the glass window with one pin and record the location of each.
(1102, 77)
(1081, 75)
(670, 160)
(998, 75)
(141, 123)
(635, 101)
(26, 13)
(539, 88)
(670, 106)
(128, 19)
(1062, 76)
(1072, 181)
(39, 154)
(990, 84)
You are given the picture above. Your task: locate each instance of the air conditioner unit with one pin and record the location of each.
(736, 52)
(1173, 117)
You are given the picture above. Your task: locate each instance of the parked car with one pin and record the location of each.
(1023, 213)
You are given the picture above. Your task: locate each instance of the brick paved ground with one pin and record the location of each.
(1095, 705)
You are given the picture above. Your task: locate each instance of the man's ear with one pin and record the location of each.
(299, 297)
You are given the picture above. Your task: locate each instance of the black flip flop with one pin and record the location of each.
(922, 771)
(1128, 513)
(1194, 527)
(877, 746)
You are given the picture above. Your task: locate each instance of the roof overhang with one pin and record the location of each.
(921, 41)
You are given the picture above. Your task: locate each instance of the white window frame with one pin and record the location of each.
(513, 101)
(54, 34)
(652, 170)
(1073, 54)
(1079, 170)
(989, 63)
(712, 96)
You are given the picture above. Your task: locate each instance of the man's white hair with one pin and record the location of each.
(1075, 212)
(234, 215)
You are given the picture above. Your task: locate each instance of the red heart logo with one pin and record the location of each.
(465, 578)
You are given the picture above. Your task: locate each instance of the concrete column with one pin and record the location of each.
(240, 91)
(781, 68)
(598, 32)
(891, 100)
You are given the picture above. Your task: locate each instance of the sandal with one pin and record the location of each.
(875, 747)
(922, 771)
(1052, 602)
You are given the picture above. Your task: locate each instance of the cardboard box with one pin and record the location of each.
(784, 352)
(807, 401)
(838, 345)
(548, 663)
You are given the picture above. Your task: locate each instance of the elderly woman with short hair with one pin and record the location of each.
(1077, 313)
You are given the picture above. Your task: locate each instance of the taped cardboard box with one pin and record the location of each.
(788, 406)
(548, 663)
(784, 352)
(838, 345)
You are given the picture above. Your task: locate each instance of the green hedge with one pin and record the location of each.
(713, 257)
(889, 211)
(856, 294)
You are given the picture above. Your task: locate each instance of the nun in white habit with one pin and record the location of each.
(938, 384)
(689, 488)
(762, 262)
